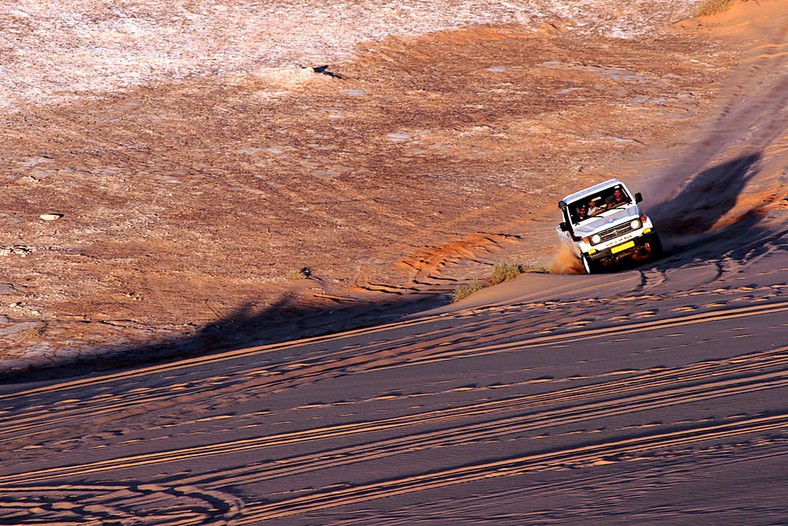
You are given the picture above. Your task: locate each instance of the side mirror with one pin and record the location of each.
(638, 197)
(563, 226)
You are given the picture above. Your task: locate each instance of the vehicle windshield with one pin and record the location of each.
(606, 199)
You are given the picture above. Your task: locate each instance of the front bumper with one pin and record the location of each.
(623, 249)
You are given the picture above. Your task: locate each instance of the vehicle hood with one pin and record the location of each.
(606, 220)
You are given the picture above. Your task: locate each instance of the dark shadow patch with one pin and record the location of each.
(706, 199)
(687, 222)
(323, 70)
(288, 319)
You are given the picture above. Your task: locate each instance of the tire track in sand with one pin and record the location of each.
(649, 391)
(488, 430)
(328, 365)
(508, 467)
(636, 480)
(192, 505)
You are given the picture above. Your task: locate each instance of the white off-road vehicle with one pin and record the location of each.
(604, 223)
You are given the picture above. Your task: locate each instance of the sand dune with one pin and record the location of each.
(654, 394)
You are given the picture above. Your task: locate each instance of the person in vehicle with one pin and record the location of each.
(582, 213)
(618, 198)
(593, 207)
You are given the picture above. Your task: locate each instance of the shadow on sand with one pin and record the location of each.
(705, 199)
(288, 319)
(686, 221)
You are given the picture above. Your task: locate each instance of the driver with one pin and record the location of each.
(582, 212)
(618, 197)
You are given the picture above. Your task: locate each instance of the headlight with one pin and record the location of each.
(635, 224)
(596, 238)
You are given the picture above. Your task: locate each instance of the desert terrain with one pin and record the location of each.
(231, 230)
(196, 174)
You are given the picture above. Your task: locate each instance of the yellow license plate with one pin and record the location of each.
(620, 248)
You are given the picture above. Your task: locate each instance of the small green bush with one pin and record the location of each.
(504, 272)
(466, 289)
(501, 272)
(303, 273)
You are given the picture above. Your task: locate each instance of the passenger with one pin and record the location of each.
(593, 208)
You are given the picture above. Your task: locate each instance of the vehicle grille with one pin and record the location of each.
(614, 232)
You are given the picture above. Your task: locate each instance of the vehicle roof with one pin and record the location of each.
(593, 189)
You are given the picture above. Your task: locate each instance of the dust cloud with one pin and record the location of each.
(565, 262)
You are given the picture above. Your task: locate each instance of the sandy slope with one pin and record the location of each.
(653, 395)
(197, 163)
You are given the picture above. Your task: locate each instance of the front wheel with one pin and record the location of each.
(589, 266)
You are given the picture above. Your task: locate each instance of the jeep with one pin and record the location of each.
(603, 224)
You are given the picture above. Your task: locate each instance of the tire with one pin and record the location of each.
(589, 266)
(655, 244)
